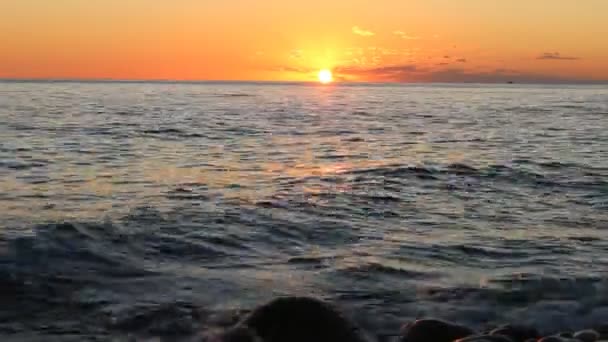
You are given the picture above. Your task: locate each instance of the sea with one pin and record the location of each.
(134, 210)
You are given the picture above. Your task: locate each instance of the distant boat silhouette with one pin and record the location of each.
(510, 82)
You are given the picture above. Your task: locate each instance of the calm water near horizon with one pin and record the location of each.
(481, 204)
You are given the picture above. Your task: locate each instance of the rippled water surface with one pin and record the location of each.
(153, 208)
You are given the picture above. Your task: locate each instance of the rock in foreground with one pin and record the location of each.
(296, 319)
(517, 333)
(301, 319)
(427, 330)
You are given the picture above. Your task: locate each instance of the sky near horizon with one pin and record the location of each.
(359, 40)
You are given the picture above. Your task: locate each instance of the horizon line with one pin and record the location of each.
(287, 82)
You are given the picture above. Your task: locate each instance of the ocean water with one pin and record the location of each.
(157, 209)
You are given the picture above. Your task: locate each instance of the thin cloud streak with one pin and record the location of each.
(297, 54)
(556, 56)
(361, 32)
(405, 36)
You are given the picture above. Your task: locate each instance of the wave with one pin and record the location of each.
(551, 304)
(171, 133)
(122, 278)
(163, 131)
(22, 166)
(514, 174)
(234, 95)
(373, 270)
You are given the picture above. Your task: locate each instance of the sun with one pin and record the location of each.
(325, 76)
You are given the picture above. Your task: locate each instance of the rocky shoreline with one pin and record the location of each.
(301, 319)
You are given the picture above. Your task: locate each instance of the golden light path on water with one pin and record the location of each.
(236, 180)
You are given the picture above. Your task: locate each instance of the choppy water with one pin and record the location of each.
(157, 208)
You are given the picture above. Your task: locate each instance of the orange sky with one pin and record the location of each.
(364, 40)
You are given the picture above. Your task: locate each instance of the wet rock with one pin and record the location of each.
(553, 339)
(603, 330)
(426, 330)
(298, 319)
(486, 338)
(518, 333)
(239, 334)
(587, 335)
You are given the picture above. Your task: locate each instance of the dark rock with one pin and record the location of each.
(298, 319)
(587, 335)
(426, 330)
(603, 330)
(239, 334)
(518, 333)
(552, 339)
(486, 338)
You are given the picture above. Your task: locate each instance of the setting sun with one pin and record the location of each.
(325, 76)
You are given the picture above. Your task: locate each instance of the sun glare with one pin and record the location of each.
(325, 76)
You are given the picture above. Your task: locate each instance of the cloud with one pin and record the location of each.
(460, 75)
(388, 52)
(556, 56)
(294, 69)
(361, 32)
(382, 73)
(417, 73)
(404, 35)
(471, 76)
(461, 60)
(297, 54)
